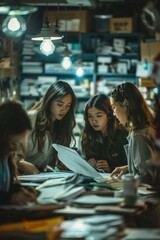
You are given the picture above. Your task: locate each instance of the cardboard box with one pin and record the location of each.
(149, 50)
(146, 82)
(74, 21)
(121, 25)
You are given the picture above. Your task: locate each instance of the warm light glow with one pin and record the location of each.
(66, 63)
(79, 72)
(14, 26)
(47, 47)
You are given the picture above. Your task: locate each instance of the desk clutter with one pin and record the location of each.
(86, 228)
(73, 206)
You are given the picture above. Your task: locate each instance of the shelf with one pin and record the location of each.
(50, 67)
(116, 75)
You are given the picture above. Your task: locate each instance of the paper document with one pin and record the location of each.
(41, 177)
(73, 161)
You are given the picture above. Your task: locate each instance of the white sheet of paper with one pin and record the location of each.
(73, 161)
(94, 200)
(41, 177)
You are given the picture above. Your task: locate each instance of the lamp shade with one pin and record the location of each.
(15, 7)
(66, 52)
(47, 33)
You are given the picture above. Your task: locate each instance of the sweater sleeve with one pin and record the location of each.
(141, 153)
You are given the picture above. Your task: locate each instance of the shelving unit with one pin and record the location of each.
(9, 70)
(104, 65)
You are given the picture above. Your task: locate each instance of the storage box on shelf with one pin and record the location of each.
(122, 25)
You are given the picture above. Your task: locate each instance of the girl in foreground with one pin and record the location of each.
(14, 128)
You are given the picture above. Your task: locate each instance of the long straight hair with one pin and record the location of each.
(61, 131)
(89, 135)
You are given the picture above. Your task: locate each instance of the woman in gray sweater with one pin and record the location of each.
(132, 111)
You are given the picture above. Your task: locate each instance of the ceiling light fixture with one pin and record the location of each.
(47, 47)
(46, 31)
(79, 63)
(14, 26)
(46, 35)
(15, 7)
(66, 61)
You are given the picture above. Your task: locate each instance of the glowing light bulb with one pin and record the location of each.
(47, 47)
(79, 72)
(14, 26)
(66, 63)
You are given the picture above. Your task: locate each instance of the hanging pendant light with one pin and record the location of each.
(79, 63)
(66, 61)
(79, 68)
(47, 47)
(14, 26)
(15, 7)
(66, 53)
(46, 35)
(46, 31)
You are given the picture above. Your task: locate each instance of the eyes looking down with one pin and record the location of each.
(98, 119)
(119, 111)
(60, 107)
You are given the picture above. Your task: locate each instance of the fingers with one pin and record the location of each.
(23, 196)
(120, 174)
(29, 194)
(115, 171)
(92, 162)
(103, 165)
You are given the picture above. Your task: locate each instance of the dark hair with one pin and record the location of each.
(138, 113)
(13, 120)
(89, 135)
(61, 130)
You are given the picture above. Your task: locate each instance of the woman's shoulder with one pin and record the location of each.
(143, 133)
(32, 113)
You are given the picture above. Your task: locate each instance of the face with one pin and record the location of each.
(16, 139)
(60, 107)
(119, 111)
(98, 119)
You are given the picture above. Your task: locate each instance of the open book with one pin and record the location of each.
(73, 161)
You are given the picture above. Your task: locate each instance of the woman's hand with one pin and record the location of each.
(119, 171)
(24, 195)
(102, 164)
(27, 168)
(92, 162)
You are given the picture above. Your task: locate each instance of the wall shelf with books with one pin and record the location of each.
(109, 58)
